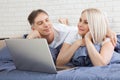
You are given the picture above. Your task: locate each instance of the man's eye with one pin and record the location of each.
(39, 23)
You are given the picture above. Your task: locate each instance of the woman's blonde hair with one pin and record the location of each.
(97, 23)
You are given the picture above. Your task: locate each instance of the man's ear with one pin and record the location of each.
(32, 27)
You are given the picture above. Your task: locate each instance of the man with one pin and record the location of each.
(42, 27)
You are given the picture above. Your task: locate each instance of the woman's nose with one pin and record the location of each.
(80, 24)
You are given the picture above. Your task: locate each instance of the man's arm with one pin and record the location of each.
(33, 34)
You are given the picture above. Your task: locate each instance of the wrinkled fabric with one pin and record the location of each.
(109, 72)
(4, 54)
(81, 58)
(6, 62)
(54, 52)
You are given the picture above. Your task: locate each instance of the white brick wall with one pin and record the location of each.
(13, 13)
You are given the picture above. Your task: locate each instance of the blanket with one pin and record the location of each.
(85, 70)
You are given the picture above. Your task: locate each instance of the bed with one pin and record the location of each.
(9, 72)
(110, 72)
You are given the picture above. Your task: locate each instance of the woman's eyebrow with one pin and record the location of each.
(80, 19)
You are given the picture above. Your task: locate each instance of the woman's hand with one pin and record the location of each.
(88, 36)
(34, 34)
(80, 42)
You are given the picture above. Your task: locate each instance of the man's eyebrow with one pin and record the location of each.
(39, 22)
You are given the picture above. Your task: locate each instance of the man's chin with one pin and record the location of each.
(48, 33)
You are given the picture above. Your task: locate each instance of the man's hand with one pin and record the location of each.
(34, 34)
(112, 35)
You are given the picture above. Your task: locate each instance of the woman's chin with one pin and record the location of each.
(81, 33)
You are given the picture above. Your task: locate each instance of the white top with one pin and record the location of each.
(61, 32)
(72, 37)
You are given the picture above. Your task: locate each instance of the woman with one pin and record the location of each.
(92, 27)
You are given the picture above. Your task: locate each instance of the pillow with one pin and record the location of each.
(117, 48)
(5, 54)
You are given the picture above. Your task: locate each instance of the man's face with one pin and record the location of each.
(42, 24)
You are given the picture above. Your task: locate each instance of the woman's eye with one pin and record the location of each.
(86, 22)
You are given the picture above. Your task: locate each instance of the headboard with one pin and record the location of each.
(2, 40)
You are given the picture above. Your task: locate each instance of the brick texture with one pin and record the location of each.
(13, 13)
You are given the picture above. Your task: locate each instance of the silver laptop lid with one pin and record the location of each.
(31, 55)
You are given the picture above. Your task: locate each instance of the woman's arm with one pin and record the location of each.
(67, 52)
(102, 58)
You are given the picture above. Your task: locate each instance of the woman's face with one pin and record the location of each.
(83, 25)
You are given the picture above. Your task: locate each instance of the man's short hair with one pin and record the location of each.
(34, 14)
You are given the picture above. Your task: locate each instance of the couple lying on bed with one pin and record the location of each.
(92, 44)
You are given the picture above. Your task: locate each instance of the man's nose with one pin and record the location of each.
(46, 24)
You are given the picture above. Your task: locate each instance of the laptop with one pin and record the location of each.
(32, 55)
